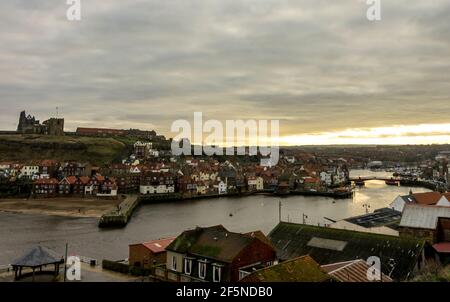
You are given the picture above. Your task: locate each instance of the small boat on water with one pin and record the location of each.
(360, 183)
(392, 182)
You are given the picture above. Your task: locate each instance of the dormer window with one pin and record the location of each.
(217, 273)
(174, 263)
(202, 269)
(187, 266)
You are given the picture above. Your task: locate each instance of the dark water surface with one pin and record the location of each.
(19, 231)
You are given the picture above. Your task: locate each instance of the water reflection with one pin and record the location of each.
(19, 232)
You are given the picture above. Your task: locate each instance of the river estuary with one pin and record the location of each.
(19, 232)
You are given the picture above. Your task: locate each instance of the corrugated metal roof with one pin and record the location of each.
(351, 271)
(423, 217)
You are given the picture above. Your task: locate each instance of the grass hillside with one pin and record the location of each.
(62, 148)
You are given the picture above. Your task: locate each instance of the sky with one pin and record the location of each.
(321, 68)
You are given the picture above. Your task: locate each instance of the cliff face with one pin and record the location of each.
(25, 148)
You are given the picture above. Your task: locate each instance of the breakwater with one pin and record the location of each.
(120, 216)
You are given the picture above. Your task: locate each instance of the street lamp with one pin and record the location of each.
(367, 206)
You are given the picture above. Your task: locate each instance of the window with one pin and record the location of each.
(187, 266)
(202, 269)
(217, 273)
(174, 263)
(243, 274)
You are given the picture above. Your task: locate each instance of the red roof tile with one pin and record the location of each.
(158, 246)
(428, 198)
(443, 247)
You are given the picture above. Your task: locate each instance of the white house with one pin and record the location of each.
(444, 201)
(157, 189)
(89, 189)
(326, 177)
(222, 188)
(112, 193)
(29, 171)
(427, 198)
(135, 170)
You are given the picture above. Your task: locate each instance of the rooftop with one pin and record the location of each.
(37, 256)
(423, 217)
(351, 271)
(157, 246)
(328, 245)
(301, 269)
(214, 242)
(381, 217)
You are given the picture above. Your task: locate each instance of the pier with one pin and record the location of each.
(120, 216)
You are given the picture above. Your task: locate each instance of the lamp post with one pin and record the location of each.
(367, 206)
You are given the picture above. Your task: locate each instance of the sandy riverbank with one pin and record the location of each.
(69, 207)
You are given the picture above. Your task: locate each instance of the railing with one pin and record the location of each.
(168, 275)
(90, 261)
(5, 268)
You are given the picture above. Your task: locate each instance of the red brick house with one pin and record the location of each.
(45, 187)
(217, 255)
(79, 185)
(148, 254)
(66, 185)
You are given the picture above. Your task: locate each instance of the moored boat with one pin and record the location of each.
(392, 182)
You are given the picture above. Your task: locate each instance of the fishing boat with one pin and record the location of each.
(392, 182)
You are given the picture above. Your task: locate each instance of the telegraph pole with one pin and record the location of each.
(279, 211)
(65, 262)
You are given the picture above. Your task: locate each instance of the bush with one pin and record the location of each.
(125, 268)
(138, 271)
(116, 266)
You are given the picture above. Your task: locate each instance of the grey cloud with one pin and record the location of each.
(315, 65)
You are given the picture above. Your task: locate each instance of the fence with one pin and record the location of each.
(5, 268)
(162, 273)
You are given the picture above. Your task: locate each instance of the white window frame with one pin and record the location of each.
(200, 265)
(215, 268)
(187, 264)
(174, 263)
(243, 274)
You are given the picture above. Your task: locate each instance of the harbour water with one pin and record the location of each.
(18, 232)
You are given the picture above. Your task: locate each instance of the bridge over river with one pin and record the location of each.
(374, 178)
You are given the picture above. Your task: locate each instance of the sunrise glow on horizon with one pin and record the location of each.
(422, 134)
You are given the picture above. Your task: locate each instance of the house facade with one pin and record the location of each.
(216, 255)
(148, 254)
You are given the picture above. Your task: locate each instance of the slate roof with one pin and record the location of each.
(381, 217)
(301, 269)
(328, 245)
(214, 242)
(37, 256)
(423, 217)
